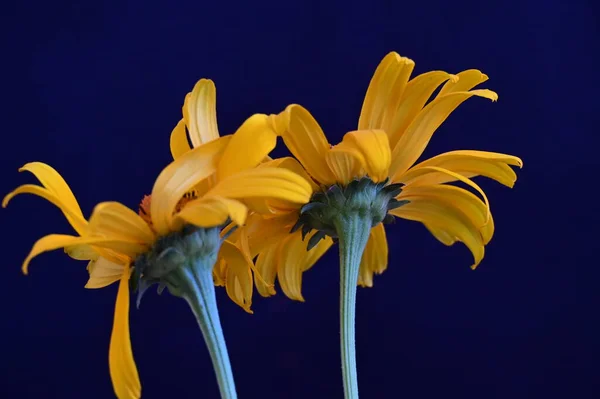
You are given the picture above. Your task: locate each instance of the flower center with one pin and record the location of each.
(361, 197)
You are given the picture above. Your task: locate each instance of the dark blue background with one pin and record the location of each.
(94, 89)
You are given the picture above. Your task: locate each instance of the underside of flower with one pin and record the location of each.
(190, 245)
(361, 197)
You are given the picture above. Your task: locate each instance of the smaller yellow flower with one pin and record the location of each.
(116, 238)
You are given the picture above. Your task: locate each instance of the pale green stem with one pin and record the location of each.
(353, 232)
(195, 285)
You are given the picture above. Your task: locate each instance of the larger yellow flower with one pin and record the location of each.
(395, 125)
(115, 236)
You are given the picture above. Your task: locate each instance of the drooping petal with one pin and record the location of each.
(82, 252)
(345, 162)
(181, 176)
(78, 222)
(385, 92)
(274, 183)
(460, 199)
(248, 147)
(433, 212)
(56, 241)
(375, 256)
(200, 113)
(467, 163)
(375, 149)
(317, 251)
(115, 220)
(211, 212)
(306, 140)
(262, 232)
(179, 141)
(415, 95)
(238, 282)
(291, 164)
(425, 170)
(442, 236)
(266, 264)
(291, 263)
(123, 371)
(465, 82)
(103, 272)
(413, 142)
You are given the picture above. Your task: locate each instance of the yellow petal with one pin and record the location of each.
(345, 162)
(179, 140)
(465, 82)
(56, 191)
(375, 256)
(200, 114)
(291, 263)
(413, 142)
(266, 264)
(103, 272)
(442, 236)
(306, 140)
(211, 212)
(414, 97)
(385, 91)
(262, 232)
(424, 170)
(273, 183)
(248, 147)
(238, 276)
(316, 252)
(115, 220)
(434, 213)
(291, 164)
(123, 371)
(82, 252)
(375, 149)
(467, 163)
(180, 177)
(460, 199)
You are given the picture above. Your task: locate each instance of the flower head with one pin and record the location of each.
(397, 120)
(116, 239)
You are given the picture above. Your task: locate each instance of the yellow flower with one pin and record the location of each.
(395, 125)
(115, 236)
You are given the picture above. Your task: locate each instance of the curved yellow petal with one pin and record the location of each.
(104, 272)
(54, 182)
(432, 212)
(266, 264)
(414, 97)
(306, 140)
(375, 149)
(82, 252)
(385, 92)
(200, 113)
(291, 164)
(413, 142)
(467, 163)
(78, 222)
(238, 282)
(181, 176)
(179, 141)
(465, 82)
(263, 232)
(123, 371)
(248, 147)
(290, 265)
(211, 212)
(375, 256)
(115, 220)
(274, 183)
(56, 241)
(345, 162)
(316, 252)
(469, 204)
(442, 236)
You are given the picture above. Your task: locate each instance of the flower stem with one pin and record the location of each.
(195, 285)
(353, 232)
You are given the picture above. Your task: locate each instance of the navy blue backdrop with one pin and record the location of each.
(94, 89)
